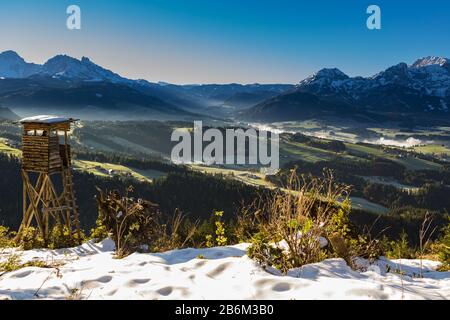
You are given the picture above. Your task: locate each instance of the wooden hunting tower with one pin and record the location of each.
(48, 195)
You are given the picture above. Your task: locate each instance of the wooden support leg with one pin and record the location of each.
(42, 203)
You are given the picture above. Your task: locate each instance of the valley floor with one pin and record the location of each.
(90, 272)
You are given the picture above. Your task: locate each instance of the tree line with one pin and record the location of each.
(194, 194)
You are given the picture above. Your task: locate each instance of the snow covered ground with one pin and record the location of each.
(91, 272)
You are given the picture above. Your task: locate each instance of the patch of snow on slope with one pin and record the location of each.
(222, 273)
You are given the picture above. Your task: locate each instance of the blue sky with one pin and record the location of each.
(218, 41)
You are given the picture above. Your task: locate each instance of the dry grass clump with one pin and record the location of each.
(13, 262)
(305, 222)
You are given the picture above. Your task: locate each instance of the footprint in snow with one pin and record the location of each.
(135, 282)
(199, 264)
(165, 291)
(22, 274)
(218, 270)
(281, 287)
(103, 279)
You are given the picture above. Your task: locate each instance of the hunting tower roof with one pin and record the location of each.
(47, 119)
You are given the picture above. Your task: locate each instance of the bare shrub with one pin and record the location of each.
(247, 221)
(136, 224)
(425, 233)
(178, 233)
(364, 245)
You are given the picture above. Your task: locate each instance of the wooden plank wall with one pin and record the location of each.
(62, 151)
(41, 154)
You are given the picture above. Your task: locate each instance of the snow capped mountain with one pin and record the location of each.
(430, 75)
(428, 79)
(14, 66)
(325, 81)
(331, 82)
(418, 91)
(429, 61)
(398, 73)
(58, 67)
(325, 77)
(62, 66)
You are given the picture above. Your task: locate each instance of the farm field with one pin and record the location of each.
(110, 170)
(433, 149)
(258, 179)
(4, 148)
(291, 151)
(98, 168)
(412, 163)
(363, 204)
(391, 182)
(254, 178)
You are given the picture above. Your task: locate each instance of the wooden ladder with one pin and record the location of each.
(71, 202)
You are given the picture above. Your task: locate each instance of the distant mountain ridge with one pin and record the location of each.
(430, 75)
(420, 88)
(60, 66)
(62, 71)
(7, 114)
(14, 66)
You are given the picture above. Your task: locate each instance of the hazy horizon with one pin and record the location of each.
(199, 83)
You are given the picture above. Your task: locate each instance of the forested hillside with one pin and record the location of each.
(193, 193)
